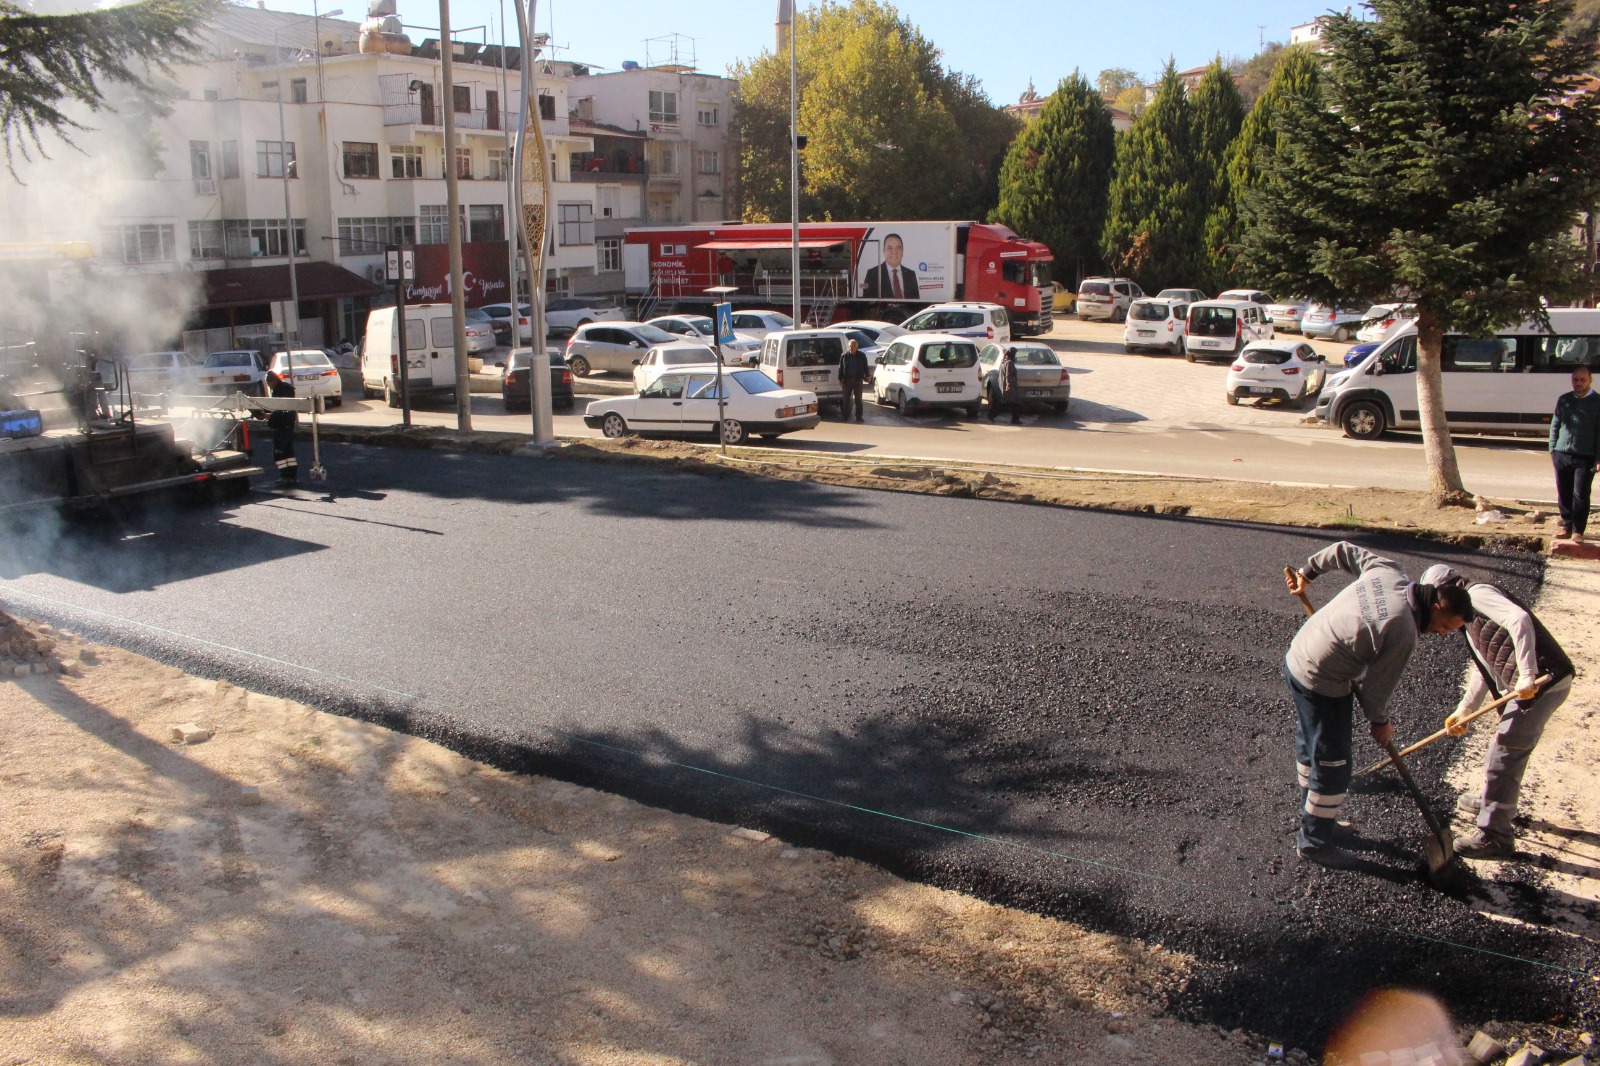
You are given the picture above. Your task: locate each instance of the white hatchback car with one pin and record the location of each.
(1290, 371)
(757, 324)
(1155, 323)
(665, 356)
(924, 370)
(701, 328)
(314, 374)
(684, 400)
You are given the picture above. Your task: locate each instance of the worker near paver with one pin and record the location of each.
(852, 376)
(1510, 648)
(1006, 380)
(282, 424)
(1355, 647)
(1575, 451)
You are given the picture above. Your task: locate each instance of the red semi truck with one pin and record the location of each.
(848, 270)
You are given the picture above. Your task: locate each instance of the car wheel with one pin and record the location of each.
(1187, 354)
(1363, 420)
(1342, 334)
(579, 366)
(1119, 315)
(1060, 407)
(902, 402)
(391, 396)
(1307, 398)
(1175, 348)
(1127, 349)
(974, 410)
(1233, 401)
(614, 426)
(733, 431)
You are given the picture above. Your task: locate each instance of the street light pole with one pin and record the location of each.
(786, 23)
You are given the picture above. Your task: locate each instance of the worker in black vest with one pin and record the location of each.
(282, 424)
(852, 376)
(1510, 649)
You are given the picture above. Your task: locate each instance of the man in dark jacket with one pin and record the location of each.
(282, 424)
(1006, 381)
(1510, 650)
(852, 376)
(1574, 451)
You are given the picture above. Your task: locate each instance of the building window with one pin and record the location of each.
(486, 222)
(360, 159)
(200, 159)
(610, 201)
(363, 236)
(663, 108)
(230, 159)
(297, 90)
(464, 163)
(462, 95)
(433, 224)
(405, 160)
(577, 223)
(547, 107)
(710, 162)
(608, 254)
(707, 114)
(491, 107)
(666, 159)
(497, 164)
(272, 157)
(205, 240)
(211, 96)
(143, 243)
(248, 238)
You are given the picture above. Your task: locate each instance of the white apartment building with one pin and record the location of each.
(363, 147)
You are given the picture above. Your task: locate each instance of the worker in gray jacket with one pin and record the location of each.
(1510, 649)
(1355, 647)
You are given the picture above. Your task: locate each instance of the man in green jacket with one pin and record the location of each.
(1574, 450)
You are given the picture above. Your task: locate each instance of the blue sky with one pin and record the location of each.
(1039, 39)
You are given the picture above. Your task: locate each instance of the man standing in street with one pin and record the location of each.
(1510, 649)
(1355, 647)
(1574, 450)
(1006, 380)
(282, 424)
(852, 375)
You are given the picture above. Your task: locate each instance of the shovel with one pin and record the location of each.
(1440, 848)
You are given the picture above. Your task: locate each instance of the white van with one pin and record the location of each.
(1508, 382)
(984, 322)
(430, 353)
(806, 359)
(1223, 328)
(922, 370)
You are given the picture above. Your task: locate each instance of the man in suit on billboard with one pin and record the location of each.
(890, 280)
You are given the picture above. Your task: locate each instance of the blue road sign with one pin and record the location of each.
(724, 323)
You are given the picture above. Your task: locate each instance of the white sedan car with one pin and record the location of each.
(314, 374)
(663, 357)
(236, 370)
(1381, 318)
(684, 400)
(566, 313)
(758, 324)
(701, 328)
(1291, 371)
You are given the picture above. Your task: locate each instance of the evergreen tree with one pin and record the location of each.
(1156, 211)
(1057, 175)
(49, 63)
(1251, 159)
(1452, 150)
(1218, 111)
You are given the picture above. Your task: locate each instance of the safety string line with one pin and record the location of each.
(647, 757)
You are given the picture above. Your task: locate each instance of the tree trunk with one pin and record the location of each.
(1444, 476)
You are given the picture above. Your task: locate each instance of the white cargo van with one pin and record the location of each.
(1508, 382)
(430, 353)
(806, 359)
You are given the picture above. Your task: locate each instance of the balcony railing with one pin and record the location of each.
(416, 113)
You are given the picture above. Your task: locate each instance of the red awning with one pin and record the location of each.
(762, 246)
(245, 286)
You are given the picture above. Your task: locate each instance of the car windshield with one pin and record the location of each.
(949, 354)
(653, 335)
(229, 359)
(1146, 311)
(685, 356)
(1095, 288)
(754, 381)
(520, 360)
(1267, 356)
(781, 319)
(1173, 294)
(1037, 357)
(478, 315)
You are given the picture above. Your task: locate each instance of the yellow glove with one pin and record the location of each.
(1526, 694)
(1454, 726)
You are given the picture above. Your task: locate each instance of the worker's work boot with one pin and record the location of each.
(1480, 845)
(1329, 855)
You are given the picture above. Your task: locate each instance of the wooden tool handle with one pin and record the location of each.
(1305, 601)
(1540, 682)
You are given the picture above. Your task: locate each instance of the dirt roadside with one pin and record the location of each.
(381, 899)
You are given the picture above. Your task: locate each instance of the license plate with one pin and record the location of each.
(948, 386)
(1035, 392)
(1260, 390)
(1210, 344)
(813, 376)
(1146, 332)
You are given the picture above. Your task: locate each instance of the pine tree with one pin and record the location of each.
(1449, 156)
(49, 63)
(1156, 210)
(1251, 159)
(1218, 111)
(1057, 175)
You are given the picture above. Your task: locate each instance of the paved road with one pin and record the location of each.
(1144, 413)
(1077, 712)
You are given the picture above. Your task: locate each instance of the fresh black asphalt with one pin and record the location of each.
(1076, 712)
